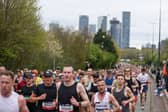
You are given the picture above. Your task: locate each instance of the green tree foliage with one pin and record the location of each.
(99, 58)
(107, 44)
(21, 33)
(130, 53)
(164, 49)
(74, 47)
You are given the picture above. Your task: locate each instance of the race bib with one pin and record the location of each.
(48, 105)
(65, 108)
(100, 107)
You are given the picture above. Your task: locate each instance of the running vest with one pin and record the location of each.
(129, 83)
(9, 104)
(120, 96)
(101, 105)
(64, 96)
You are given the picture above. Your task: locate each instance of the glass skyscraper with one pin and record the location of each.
(115, 31)
(125, 40)
(102, 23)
(83, 24)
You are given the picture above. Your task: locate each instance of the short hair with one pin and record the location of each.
(67, 66)
(120, 74)
(7, 73)
(100, 79)
(143, 70)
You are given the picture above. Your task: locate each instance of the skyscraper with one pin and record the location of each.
(125, 40)
(102, 23)
(115, 31)
(92, 28)
(53, 26)
(83, 24)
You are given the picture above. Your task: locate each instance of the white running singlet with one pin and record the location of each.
(9, 104)
(101, 105)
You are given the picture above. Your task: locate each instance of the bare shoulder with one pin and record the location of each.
(80, 87)
(127, 89)
(21, 98)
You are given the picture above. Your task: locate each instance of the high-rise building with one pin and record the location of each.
(92, 29)
(83, 24)
(102, 23)
(53, 26)
(125, 40)
(115, 31)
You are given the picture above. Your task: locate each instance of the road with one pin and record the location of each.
(153, 103)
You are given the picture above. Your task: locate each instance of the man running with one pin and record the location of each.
(46, 94)
(9, 100)
(71, 95)
(27, 90)
(122, 93)
(144, 79)
(102, 100)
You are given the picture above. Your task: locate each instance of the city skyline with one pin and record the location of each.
(143, 14)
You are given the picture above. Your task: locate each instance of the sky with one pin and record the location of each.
(144, 15)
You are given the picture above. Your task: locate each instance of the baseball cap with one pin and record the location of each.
(48, 74)
(28, 75)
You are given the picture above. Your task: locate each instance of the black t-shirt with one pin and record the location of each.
(26, 92)
(50, 98)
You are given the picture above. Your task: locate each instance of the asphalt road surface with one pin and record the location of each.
(153, 103)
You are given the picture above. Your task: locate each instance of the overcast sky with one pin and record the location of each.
(143, 14)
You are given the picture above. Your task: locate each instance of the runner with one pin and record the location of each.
(9, 100)
(144, 79)
(109, 79)
(122, 93)
(71, 95)
(46, 94)
(27, 90)
(132, 84)
(102, 100)
(94, 89)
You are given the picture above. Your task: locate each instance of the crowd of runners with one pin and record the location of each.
(67, 90)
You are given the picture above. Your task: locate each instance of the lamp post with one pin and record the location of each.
(153, 28)
(160, 11)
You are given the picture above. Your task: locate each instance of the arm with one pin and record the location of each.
(136, 84)
(34, 97)
(114, 102)
(83, 94)
(22, 104)
(128, 94)
(92, 105)
(113, 85)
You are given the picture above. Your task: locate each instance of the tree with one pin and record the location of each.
(21, 34)
(164, 49)
(99, 58)
(107, 44)
(74, 47)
